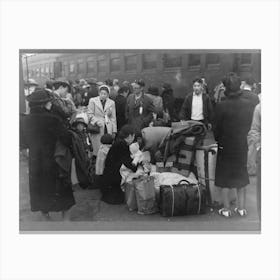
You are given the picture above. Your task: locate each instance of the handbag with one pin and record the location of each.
(93, 128)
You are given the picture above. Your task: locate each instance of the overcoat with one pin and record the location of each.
(40, 131)
(233, 117)
(97, 113)
(134, 115)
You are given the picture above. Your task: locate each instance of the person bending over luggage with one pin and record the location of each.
(118, 154)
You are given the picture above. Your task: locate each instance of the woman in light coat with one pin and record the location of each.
(102, 111)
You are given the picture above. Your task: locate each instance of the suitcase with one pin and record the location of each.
(206, 157)
(182, 199)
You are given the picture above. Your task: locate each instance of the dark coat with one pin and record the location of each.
(118, 154)
(186, 110)
(251, 97)
(233, 118)
(134, 117)
(40, 131)
(120, 103)
(87, 95)
(168, 102)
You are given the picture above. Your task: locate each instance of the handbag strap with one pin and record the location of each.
(183, 180)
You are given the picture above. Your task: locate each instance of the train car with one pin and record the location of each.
(177, 67)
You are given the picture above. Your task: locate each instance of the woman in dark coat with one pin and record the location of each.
(233, 119)
(40, 132)
(118, 154)
(168, 101)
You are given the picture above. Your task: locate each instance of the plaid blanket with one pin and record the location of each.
(179, 145)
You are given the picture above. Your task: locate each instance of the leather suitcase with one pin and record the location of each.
(182, 199)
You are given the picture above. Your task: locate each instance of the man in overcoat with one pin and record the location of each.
(139, 107)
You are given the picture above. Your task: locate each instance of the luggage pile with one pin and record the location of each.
(183, 182)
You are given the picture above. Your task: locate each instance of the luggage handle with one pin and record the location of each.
(183, 180)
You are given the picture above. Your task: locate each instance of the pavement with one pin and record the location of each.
(91, 215)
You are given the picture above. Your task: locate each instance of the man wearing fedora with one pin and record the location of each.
(62, 106)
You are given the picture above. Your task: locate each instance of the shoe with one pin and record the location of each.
(224, 212)
(241, 212)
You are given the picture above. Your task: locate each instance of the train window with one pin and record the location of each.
(194, 60)
(80, 67)
(130, 62)
(115, 64)
(101, 65)
(38, 72)
(149, 60)
(72, 67)
(91, 66)
(246, 58)
(47, 68)
(212, 58)
(172, 60)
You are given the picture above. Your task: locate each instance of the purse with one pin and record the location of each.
(93, 128)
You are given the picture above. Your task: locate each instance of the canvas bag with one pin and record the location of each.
(145, 195)
(130, 196)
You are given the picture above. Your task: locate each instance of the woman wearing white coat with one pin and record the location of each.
(102, 111)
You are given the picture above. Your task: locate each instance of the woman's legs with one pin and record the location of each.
(241, 198)
(225, 198)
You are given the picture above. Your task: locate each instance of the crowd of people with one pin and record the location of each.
(91, 125)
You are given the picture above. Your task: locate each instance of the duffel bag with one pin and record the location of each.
(182, 199)
(145, 195)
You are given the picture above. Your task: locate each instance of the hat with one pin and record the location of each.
(104, 87)
(62, 82)
(153, 90)
(92, 81)
(100, 83)
(79, 120)
(86, 86)
(31, 82)
(140, 82)
(166, 86)
(82, 82)
(106, 139)
(39, 96)
(81, 117)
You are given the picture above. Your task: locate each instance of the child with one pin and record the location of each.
(80, 127)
